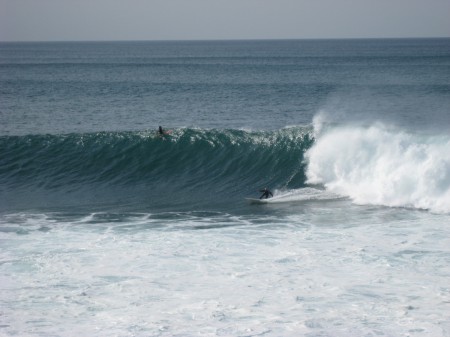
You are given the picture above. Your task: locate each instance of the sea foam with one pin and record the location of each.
(380, 165)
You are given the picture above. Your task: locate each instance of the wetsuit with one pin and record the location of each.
(265, 194)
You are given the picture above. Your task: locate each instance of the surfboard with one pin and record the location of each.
(165, 133)
(256, 201)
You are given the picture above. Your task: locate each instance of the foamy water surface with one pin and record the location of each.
(323, 271)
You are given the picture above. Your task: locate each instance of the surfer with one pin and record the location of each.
(162, 132)
(265, 193)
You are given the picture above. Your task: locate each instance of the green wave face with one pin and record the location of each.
(187, 166)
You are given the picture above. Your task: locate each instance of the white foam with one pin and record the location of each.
(302, 194)
(322, 271)
(381, 165)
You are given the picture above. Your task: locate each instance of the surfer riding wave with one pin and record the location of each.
(265, 193)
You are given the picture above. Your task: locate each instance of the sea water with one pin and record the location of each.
(109, 229)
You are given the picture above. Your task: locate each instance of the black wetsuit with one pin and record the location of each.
(265, 194)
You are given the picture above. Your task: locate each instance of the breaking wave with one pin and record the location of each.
(380, 165)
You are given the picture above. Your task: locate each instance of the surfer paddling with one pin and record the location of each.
(265, 193)
(162, 132)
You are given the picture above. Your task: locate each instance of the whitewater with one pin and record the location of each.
(382, 165)
(368, 271)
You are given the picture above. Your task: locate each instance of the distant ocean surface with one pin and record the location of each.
(109, 229)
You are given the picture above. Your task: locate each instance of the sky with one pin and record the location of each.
(99, 20)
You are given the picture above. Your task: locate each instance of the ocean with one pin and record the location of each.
(109, 229)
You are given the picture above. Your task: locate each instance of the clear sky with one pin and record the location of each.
(61, 20)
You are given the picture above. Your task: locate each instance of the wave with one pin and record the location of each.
(198, 168)
(381, 165)
(189, 165)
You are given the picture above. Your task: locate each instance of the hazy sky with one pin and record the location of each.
(50, 20)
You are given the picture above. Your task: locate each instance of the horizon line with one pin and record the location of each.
(226, 39)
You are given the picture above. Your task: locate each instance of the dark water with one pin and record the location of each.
(117, 86)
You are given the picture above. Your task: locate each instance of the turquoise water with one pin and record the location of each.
(107, 228)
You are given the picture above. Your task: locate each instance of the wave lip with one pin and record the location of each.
(383, 166)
